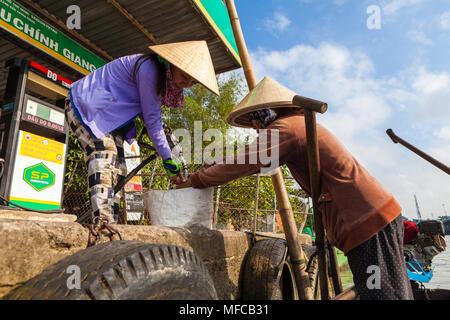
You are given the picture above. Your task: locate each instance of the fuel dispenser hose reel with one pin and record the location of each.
(173, 144)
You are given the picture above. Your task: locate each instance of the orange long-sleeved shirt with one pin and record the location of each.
(354, 205)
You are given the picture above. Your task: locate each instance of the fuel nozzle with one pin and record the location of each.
(176, 148)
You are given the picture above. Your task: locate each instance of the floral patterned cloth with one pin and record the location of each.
(264, 116)
(174, 97)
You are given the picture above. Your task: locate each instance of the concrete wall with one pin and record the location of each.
(30, 242)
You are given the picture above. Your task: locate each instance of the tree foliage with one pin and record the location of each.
(201, 105)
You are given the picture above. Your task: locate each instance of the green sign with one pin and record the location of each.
(19, 21)
(216, 13)
(39, 177)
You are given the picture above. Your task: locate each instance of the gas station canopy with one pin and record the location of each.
(36, 30)
(40, 56)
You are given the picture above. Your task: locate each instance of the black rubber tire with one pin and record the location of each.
(268, 272)
(124, 270)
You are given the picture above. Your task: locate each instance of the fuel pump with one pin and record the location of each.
(33, 136)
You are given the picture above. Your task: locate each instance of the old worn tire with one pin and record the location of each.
(124, 270)
(268, 272)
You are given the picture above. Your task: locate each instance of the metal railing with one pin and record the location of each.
(236, 204)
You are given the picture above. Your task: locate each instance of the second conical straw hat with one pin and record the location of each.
(193, 58)
(267, 94)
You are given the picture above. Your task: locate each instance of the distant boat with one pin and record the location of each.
(447, 226)
(419, 254)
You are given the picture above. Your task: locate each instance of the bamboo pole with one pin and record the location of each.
(287, 216)
(242, 47)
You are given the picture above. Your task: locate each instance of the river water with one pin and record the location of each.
(441, 278)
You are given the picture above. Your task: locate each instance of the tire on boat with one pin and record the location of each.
(123, 270)
(268, 271)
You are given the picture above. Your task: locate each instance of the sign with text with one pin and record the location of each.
(17, 20)
(133, 189)
(38, 177)
(44, 116)
(41, 148)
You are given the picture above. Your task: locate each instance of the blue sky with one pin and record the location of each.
(395, 77)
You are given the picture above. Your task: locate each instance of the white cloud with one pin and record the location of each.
(362, 106)
(339, 2)
(445, 20)
(336, 2)
(429, 83)
(420, 37)
(392, 7)
(430, 96)
(277, 23)
(331, 73)
(443, 133)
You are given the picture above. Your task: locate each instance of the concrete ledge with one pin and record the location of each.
(27, 247)
(35, 216)
(30, 242)
(304, 238)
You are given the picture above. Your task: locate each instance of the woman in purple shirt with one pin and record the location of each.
(102, 107)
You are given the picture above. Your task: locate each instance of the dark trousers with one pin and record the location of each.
(378, 265)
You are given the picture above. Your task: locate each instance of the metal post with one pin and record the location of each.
(255, 210)
(305, 217)
(216, 209)
(124, 198)
(70, 181)
(153, 173)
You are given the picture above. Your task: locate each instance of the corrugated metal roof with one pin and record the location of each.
(167, 21)
(107, 28)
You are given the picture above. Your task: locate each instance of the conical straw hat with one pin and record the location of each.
(267, 94)
(193, 58)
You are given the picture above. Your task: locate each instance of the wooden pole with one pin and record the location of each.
(420, 153)
(335, 273)
(287, 216)
(310, 108)
(349, 294)
(314, 177)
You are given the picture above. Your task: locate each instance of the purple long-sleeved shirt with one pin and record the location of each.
(109, 98)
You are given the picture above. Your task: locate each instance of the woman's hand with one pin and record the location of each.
(173, 170)
(186, 184)
(178, 179)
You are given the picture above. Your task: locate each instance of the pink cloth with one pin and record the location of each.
(174, 97)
